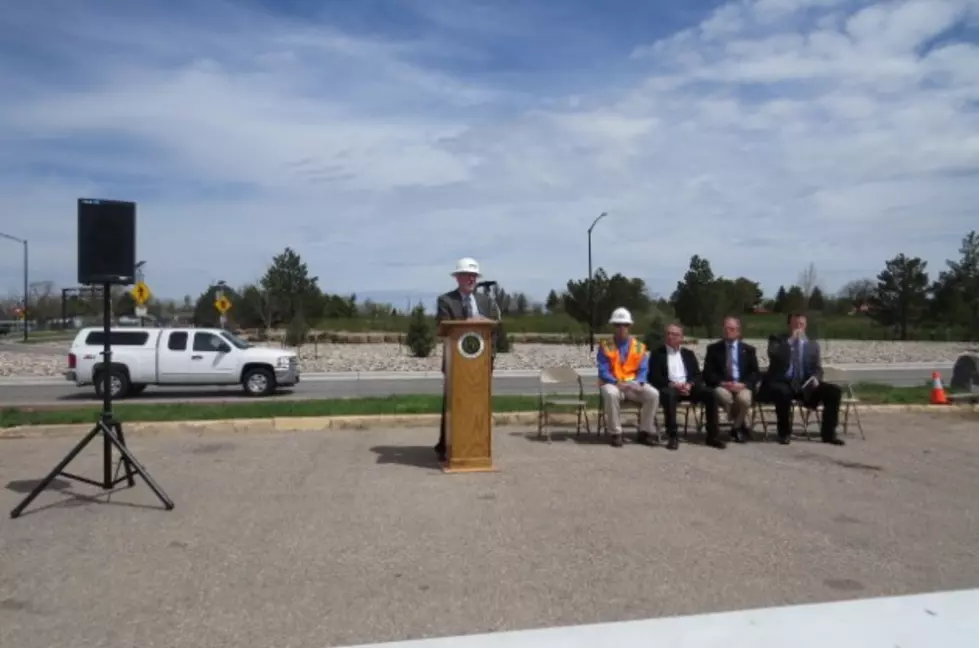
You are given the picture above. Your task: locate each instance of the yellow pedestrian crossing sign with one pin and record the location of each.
(141, 293)
(223, 304)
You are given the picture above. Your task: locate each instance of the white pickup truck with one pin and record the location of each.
(178, 357)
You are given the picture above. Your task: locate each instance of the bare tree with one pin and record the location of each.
(808, 280)
(44, 305)
(858, 292)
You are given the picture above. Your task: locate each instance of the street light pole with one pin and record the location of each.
(591, 297)
(24, 243)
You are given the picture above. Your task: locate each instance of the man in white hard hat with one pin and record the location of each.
(459, 304)
(623, 365)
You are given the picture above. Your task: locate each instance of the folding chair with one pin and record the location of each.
(550, 399)
(758, 408)
(849, 402)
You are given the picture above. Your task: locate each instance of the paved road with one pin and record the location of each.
(354, 536)
(47, 391)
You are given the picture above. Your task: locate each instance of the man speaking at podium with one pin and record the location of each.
(460, 304)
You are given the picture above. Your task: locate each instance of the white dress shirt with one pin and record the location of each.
(473, 307)
(677, 371)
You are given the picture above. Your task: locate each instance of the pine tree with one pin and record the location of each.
(420, 337)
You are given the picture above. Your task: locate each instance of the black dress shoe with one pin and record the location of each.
(715, 443)
(673, 443)
(834, 441)
(784, 440)
(616, 441)
(745, 434)
(645, 438)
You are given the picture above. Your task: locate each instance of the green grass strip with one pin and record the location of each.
(391, 405)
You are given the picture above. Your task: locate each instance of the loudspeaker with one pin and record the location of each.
(106, 241)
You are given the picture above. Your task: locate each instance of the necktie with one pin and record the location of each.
(467, 311)
(730, 362)
(797, 363)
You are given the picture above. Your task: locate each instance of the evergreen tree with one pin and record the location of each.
(420, 337)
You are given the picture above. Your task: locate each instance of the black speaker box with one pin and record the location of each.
(106, 241)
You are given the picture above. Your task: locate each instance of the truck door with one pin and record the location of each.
(173, 358)
(212, 360)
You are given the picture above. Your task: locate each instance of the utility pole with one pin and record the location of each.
(591, 296)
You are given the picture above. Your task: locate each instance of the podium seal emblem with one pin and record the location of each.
(471, 345)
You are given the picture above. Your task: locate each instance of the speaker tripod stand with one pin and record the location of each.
(111, 432)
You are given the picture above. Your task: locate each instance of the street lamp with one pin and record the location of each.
(24, 243)
(591, 298)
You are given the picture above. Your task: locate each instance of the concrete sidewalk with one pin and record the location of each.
(346, 537)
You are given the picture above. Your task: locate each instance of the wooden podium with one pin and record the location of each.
(467, 351)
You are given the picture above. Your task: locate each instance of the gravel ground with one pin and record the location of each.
(392, 357)
(352, 536)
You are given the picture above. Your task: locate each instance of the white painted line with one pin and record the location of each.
(937, 620)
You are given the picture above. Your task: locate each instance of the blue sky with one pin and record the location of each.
(385, 139)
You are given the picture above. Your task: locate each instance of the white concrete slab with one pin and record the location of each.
(941, 619)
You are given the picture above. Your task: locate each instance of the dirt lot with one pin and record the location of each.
(320, 539)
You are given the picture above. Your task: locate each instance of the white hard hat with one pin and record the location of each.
(466, 264)
(620, 316)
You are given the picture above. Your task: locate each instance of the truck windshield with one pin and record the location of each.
(235, 340)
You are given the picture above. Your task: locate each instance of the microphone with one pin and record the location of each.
(487, 284)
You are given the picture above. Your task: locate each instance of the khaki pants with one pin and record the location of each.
(736, 406)
(612, 398)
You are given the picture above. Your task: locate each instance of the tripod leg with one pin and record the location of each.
(125, 462)
(106, 458)
(55, 472)
(128, 456)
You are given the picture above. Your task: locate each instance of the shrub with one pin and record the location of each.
(420, 337)
(297, 331)
(655, 332)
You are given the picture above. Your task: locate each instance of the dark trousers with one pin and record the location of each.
(440, 446)
(669, 398)
(782, 394)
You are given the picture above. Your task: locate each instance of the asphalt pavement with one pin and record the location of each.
(354, 536)
(55, 391)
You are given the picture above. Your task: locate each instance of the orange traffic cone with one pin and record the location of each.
(937, 390)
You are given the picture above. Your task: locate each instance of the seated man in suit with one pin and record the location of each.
(795, 373)
(460, 304)
(731, 370)
(675, 372)
(623, 364)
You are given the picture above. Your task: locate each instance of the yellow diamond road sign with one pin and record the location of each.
(141, 293)
(223, 305)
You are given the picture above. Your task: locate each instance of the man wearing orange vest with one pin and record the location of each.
(623, 365)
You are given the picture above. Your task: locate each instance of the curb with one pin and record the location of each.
(503, 374)
(321, 423)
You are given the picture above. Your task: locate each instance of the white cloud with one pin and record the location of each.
(772, 134)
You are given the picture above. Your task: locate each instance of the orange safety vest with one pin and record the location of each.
(624, 371)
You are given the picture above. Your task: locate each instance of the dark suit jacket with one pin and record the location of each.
(659, 369)
(715, 364)
(780, 358)
(449, 307)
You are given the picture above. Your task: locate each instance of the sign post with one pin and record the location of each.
(223, 305)
(140, 294)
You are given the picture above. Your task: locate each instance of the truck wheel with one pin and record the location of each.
(258, 382)
(118, 383)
